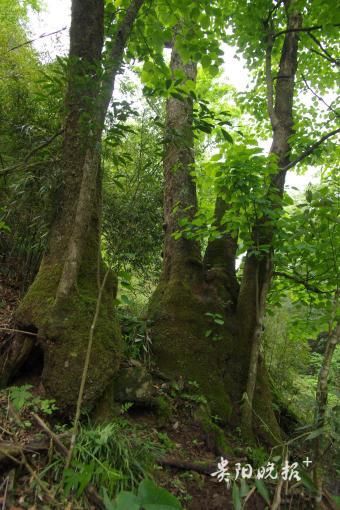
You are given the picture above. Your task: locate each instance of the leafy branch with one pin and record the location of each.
(302, 29)
(301, 281)
(44, 144)
(324, 53)
(319, 97)
(310, 149)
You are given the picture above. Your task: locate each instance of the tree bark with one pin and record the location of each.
(182, 258)
(61, 303)
(220, 260)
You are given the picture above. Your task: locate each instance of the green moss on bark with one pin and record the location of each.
(265, 424)
(215, 437)
(63, 332)
(180, 346)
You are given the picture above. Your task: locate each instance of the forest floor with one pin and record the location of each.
(189, 455)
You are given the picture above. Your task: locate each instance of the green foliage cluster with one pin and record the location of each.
(30, 112)
(114, 456)
(149, 497)
(22, 398)
(132, 201)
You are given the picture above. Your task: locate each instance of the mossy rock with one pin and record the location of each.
(134, 384)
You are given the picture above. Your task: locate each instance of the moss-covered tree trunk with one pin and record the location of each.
(194, 296)
(183, 296)
(60, 305)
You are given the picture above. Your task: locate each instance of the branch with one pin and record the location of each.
(322, 55)
(36, 39)
(43, 144)
(85, 371)
(90, 490)
(9, 169)
(124, 29)
(11, 330)
(300, 281)
(302, 29)
(326, 54)
(271, 12)
(310, 150)
(319, 97)
(200, 467)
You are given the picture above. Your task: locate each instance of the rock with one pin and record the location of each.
(134, 384)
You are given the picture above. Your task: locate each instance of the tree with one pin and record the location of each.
(59, 307)
(206, 327)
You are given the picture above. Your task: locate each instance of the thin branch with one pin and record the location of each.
(310, 150)
(200, 467)
(91, 491)
(301, 281)
(36, 39)
(319, 44)
(43, 144)
(302, 29)
(271, 12)
(321, 55)
(85, 371)
(11, 168)
(29, 333)
(59, 445)
(319, 97)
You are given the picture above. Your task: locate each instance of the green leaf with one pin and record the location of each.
(244, 489)
(308, 482)
(237, 501)
(262, 490)
(109, 505)
(226, 136)
(125, 501)
(150, 494)
(314, 434)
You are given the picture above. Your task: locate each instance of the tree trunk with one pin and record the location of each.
(220, 260)
(183, 296)
(60, 304)
(226, 362)
(258, 264)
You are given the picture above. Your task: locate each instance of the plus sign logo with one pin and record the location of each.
(306, 462)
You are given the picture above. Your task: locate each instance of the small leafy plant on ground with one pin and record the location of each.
(149, 497)
(113, 457)
(21, 397)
